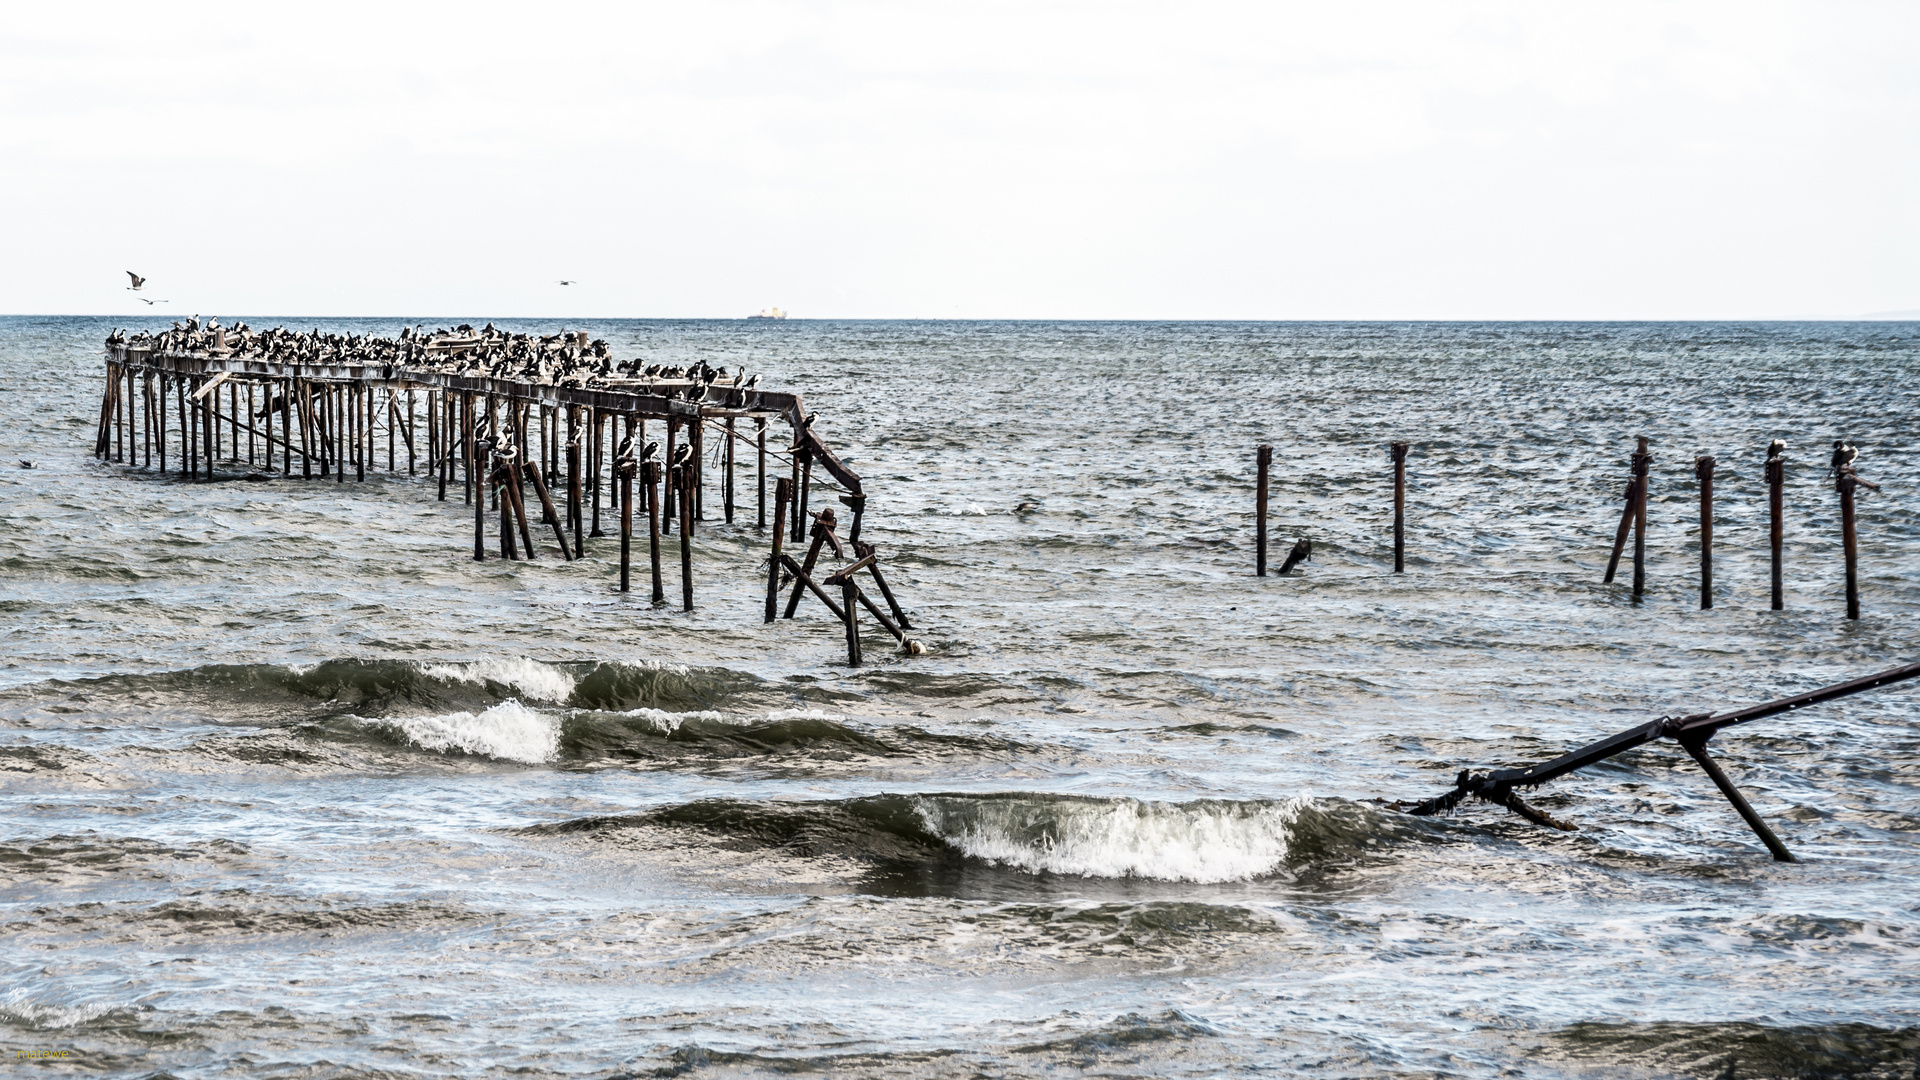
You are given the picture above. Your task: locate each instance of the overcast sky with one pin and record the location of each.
(1026, 160)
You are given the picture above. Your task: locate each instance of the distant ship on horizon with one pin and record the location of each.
(769, 313)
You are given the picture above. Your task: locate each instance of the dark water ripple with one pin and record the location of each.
(292, 787)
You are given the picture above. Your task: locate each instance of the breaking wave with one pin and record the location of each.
(509, 731)
(1064, 836)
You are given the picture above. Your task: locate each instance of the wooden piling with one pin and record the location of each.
(727, 483)
(160, 420)
(1262, 464)
(1703, 468)
(1776, 505)
(650, 480)
(779, 534)
(594, 425)
(1398, 451)
(820, 527)
(866, 552)
(687, 513)
(547, 509)
(667, 511)
(1844, 482)
(624, 470)
(849, 594)
(573, 496)
(1642, 471)
(760, 472)
(1301, 552)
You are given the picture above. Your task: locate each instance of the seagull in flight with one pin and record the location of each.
(569, 283)
(137, 281)
(148, 302)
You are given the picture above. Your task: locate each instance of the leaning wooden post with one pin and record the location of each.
(1626, 528)
(1399, 453)
(849, 597)
(1776, 503)
(779, 534)
(1642, 470)
(650, 481)
(687, 514)
(548, 509)
(1703, 468)
(821, 526)
(1263, 464)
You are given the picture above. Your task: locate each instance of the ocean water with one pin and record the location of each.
(290, 786)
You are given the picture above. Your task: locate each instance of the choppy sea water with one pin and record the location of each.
(293, 787)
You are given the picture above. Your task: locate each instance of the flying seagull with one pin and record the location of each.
(148, 302)
(569, 283)
(137, 281)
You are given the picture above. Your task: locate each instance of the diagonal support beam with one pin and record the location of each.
(1697, 747)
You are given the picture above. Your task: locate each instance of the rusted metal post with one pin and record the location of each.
(1398, 451)
(1776, 503)
(1263, 464)
(1703, 468)
(773, 561)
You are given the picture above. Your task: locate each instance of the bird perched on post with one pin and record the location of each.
(1776, 448)
(1843, 455)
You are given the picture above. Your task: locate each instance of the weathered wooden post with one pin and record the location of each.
(1398, 451)
(595, 426)
(650, 480)
(779, 534)
(760, 475)
(623, 469)
(1776, 502)
(1844, 482)
(1642, 471)
(1626, 523)
(1263, 463)
(849, 596)
(687, 514)
(822, 525)
(573, 491)
(548, 510)
(1703, 468)
(727, 483)
(667, 511)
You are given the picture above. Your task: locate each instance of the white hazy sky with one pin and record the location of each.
(1622, 159)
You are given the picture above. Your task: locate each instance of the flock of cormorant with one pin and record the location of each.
(564, 359)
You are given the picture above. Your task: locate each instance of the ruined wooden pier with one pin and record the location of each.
(504, 416)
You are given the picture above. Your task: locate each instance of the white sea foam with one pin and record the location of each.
(666, 723)
(535, 680)
(509, 731)
(1118, 838)
(19, 1007)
